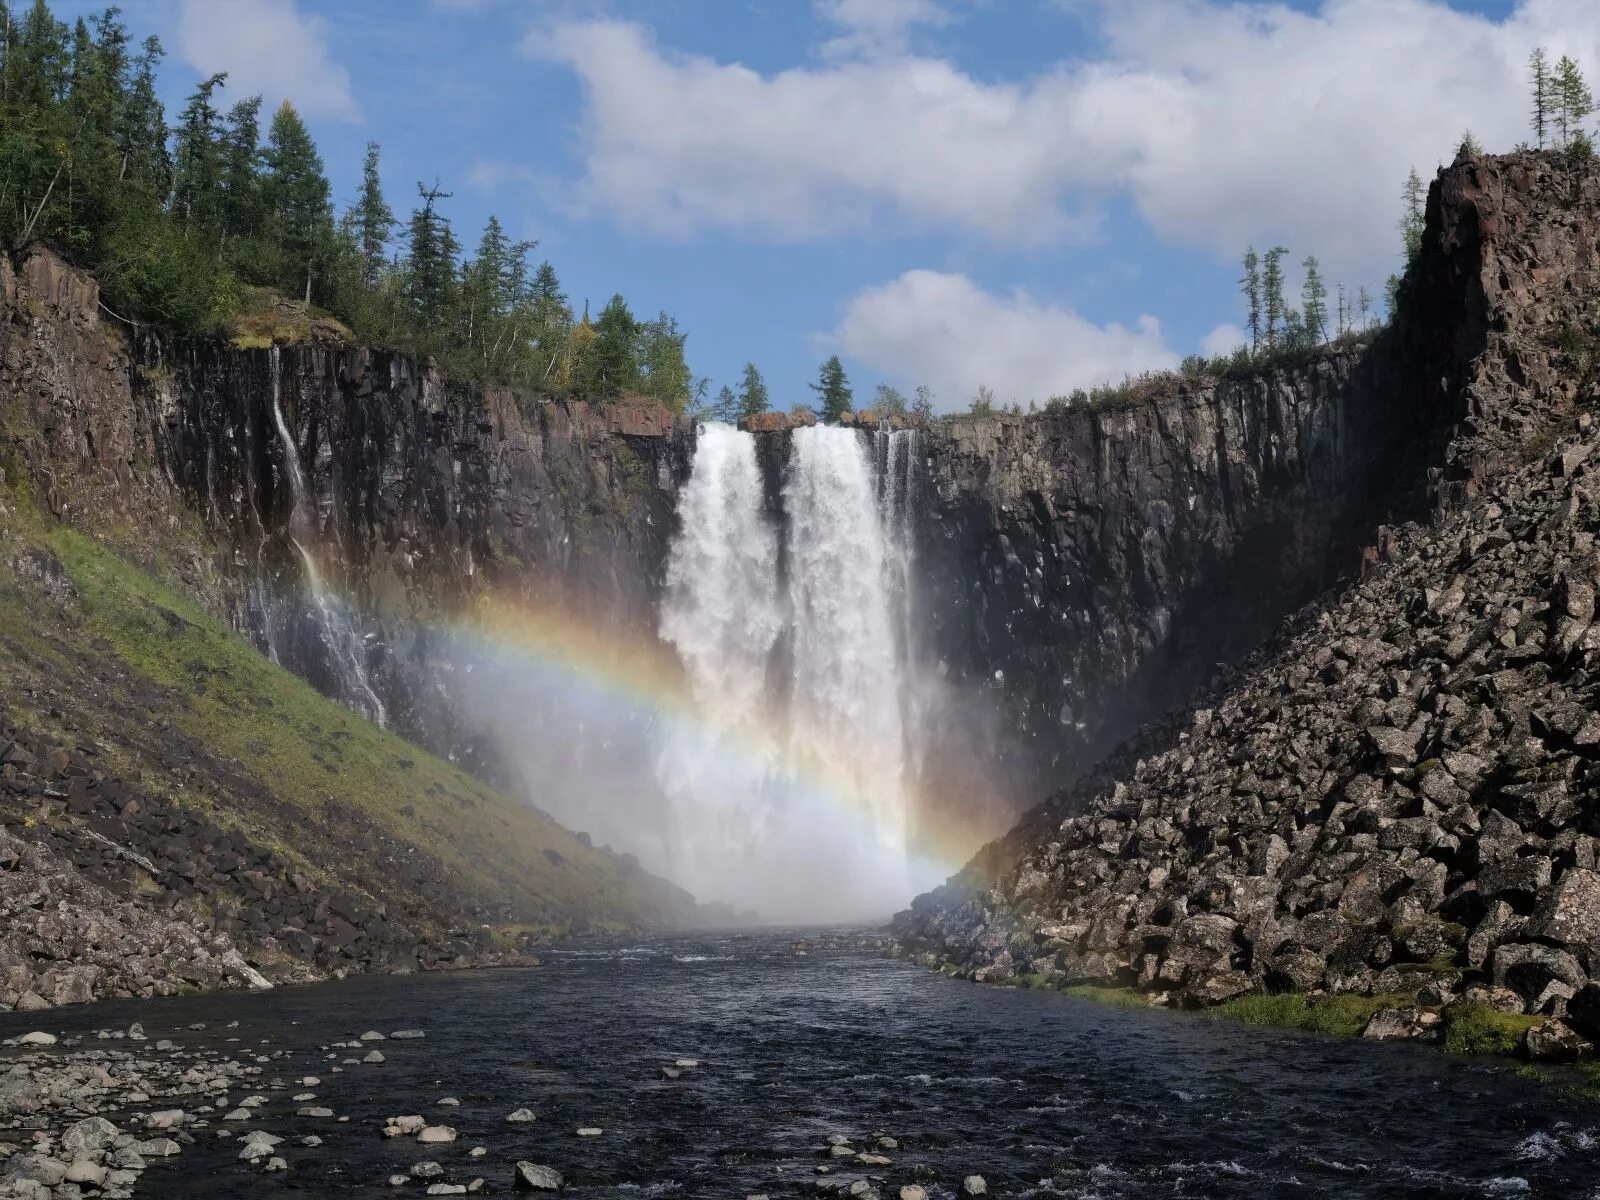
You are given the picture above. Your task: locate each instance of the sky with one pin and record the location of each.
(1029, 195)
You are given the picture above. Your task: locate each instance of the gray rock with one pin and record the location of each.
(530, 1177)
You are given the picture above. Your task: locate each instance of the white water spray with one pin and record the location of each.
(339, 636)
(789, 790)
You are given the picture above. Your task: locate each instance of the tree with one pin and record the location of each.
(1539, 79)
(1470, 147)
(1250, 285)
(1314, 303)
(753, 397)
(1573, 99)
(1272, 292)
(611, 364)
(922, 402)
(725, 407)
(1412, 220)
(197, 177)
(430, 266)
(983, 402)
(294, 197)
(240, 154)
(1364, 306)
(662, 370)
(833, 389)
(888, 401)
(374, 219)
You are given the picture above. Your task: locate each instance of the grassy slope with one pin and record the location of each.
(137, 667)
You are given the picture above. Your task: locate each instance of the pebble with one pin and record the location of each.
(276, 1164)
(311, 1139)
(913, 1191)
(373, 1056)
(590, 1131)
(405, 1034)
(521, 1117)
(450, 1102)
(476, 1152)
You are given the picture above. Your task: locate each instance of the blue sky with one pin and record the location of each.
(1032, 194)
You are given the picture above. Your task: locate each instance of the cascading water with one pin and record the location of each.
(340, 641)
(788, 786)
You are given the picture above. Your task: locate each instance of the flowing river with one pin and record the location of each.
(1041, 1094)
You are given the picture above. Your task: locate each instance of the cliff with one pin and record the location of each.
(1390, 798)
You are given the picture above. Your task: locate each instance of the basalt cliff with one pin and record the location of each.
(226, 568)
(1393, 797)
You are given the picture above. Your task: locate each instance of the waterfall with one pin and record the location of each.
(845, 703)
(788, 784)
(341, 643)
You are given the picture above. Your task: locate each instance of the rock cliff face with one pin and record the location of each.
(1391, 798)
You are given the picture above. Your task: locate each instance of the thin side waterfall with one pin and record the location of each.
(339, 638)
(900, 474)
(788, 784)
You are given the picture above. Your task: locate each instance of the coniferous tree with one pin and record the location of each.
(725, 407)
(611, 364)
(833, 389)
(1272, 294)
(1364, 305)
(1412, 221)
(429, 268)
(1540, 81)
(294, 199)
(1573, 99)
(197, 174)
(374, 219)
(665, 374)
(240, 169)
(1314, 303)
(143, 133)
(922, 401)
(753, 397)
(1250, 285)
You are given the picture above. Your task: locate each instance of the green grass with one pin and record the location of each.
(1478, 1029)
(1344, 1014)
(1114, 996)
(319, 769)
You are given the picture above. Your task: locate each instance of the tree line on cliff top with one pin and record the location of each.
(207, 223)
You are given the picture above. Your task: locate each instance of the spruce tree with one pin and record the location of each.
(664, 373)
(197, 176)
(833, 389)
(612, 364)
(240, 176)
(725, 407)
(374, 219)
(294, 196)
(1250, 285)
(430, 268)
(753, 397)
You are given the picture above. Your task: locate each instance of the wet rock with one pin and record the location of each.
(974, 1185)
(520, 1116)
(1556, 1041)
(434, 1134)
(531, 1177)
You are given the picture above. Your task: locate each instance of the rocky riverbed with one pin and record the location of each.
(751, 1065)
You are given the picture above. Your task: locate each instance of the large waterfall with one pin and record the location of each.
(789, 784)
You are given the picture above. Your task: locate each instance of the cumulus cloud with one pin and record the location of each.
(268, 47)
(944, 330)
(1224, 123)
(1224, 339)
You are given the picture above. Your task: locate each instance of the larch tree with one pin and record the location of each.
(1314, 303)
(1540, 82)
(1275, 309)
(1250, 286)
(1573, 99)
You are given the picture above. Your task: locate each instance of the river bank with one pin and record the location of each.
(814, 1072)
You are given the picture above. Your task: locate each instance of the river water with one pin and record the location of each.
(1043, 1095)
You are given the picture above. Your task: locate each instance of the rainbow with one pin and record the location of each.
(611, 665)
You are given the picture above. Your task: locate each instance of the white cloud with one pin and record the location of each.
(1224, 123)
(878, 27)
(268, 47)
(491, 175)
(1224, 339)
(944, 330)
